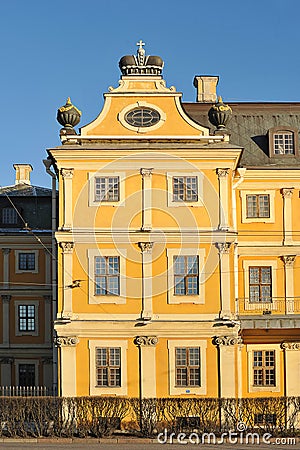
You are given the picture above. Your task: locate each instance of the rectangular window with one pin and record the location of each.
(27, 375)
(187, 360)
(107, 189)
(26, 261)
(264, 368)
(258, 205)
(185, 189)
(9, 216)
(186, 275)
(107, 275)
(260, 284)
(26, 317)
(284, 143)
(108, 366)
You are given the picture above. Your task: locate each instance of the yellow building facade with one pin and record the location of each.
(162, 281)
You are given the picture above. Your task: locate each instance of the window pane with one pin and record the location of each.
(264, 207)
(194, 377)
(100, 285)
(254, 293)
(181, 356)
(185, 189)
(108, 268)
(257, 358)
(114, 356)
(194, 356)
(266, 293)
(113, 285)
(251, 201)
(266, 275)
(106, 189)
(9, 216)
(187, 360)
(192, 264)
(101, 356)
(284, 143)
(179, 265)
(113, 264)
(179, 286)
(181, 377)
(108, 366)
(254, 275)
(192, 285)
(26, 261)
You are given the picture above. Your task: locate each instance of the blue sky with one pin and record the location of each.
(54, 49)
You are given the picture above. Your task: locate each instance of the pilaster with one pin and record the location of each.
(48, 319)
(146, 199)
(227, 348)
(223, 198)
(287, 194)
(292, 364)
(225, 293)
(6, 364)
(67, 280)
(146, 345)
(67, 345)
(67, 175)
(289, 282)
(6, 252)
(147, 307)
(5, 318)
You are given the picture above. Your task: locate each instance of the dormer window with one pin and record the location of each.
(283, 142)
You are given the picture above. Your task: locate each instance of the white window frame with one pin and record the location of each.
(284, 133)
(176, 299)
(270, 193)
(250, 348)
(34, 303)
(36, 265)
(171, 175)
(98, 299)
(260, 263)
(18, 362)
(109, 390)
(143, 104)
(92, 179)
(179, 390)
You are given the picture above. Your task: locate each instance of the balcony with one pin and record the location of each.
(277, 306)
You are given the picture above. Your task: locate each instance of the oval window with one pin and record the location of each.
(142, 117)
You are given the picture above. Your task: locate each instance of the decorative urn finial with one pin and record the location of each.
(219, 114)
(68, 115)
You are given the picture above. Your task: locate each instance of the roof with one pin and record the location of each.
(25, 190)
(249, 127)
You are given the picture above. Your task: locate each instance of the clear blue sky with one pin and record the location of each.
(54, 49)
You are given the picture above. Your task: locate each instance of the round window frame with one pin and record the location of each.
(152, 120)
(141, 129)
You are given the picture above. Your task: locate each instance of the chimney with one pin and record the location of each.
(206, 88)
(22, 173)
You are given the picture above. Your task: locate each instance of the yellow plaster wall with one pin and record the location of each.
(174, 123)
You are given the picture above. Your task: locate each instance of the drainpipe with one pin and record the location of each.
(47, 164)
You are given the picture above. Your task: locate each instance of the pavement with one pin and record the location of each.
(130, 444)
